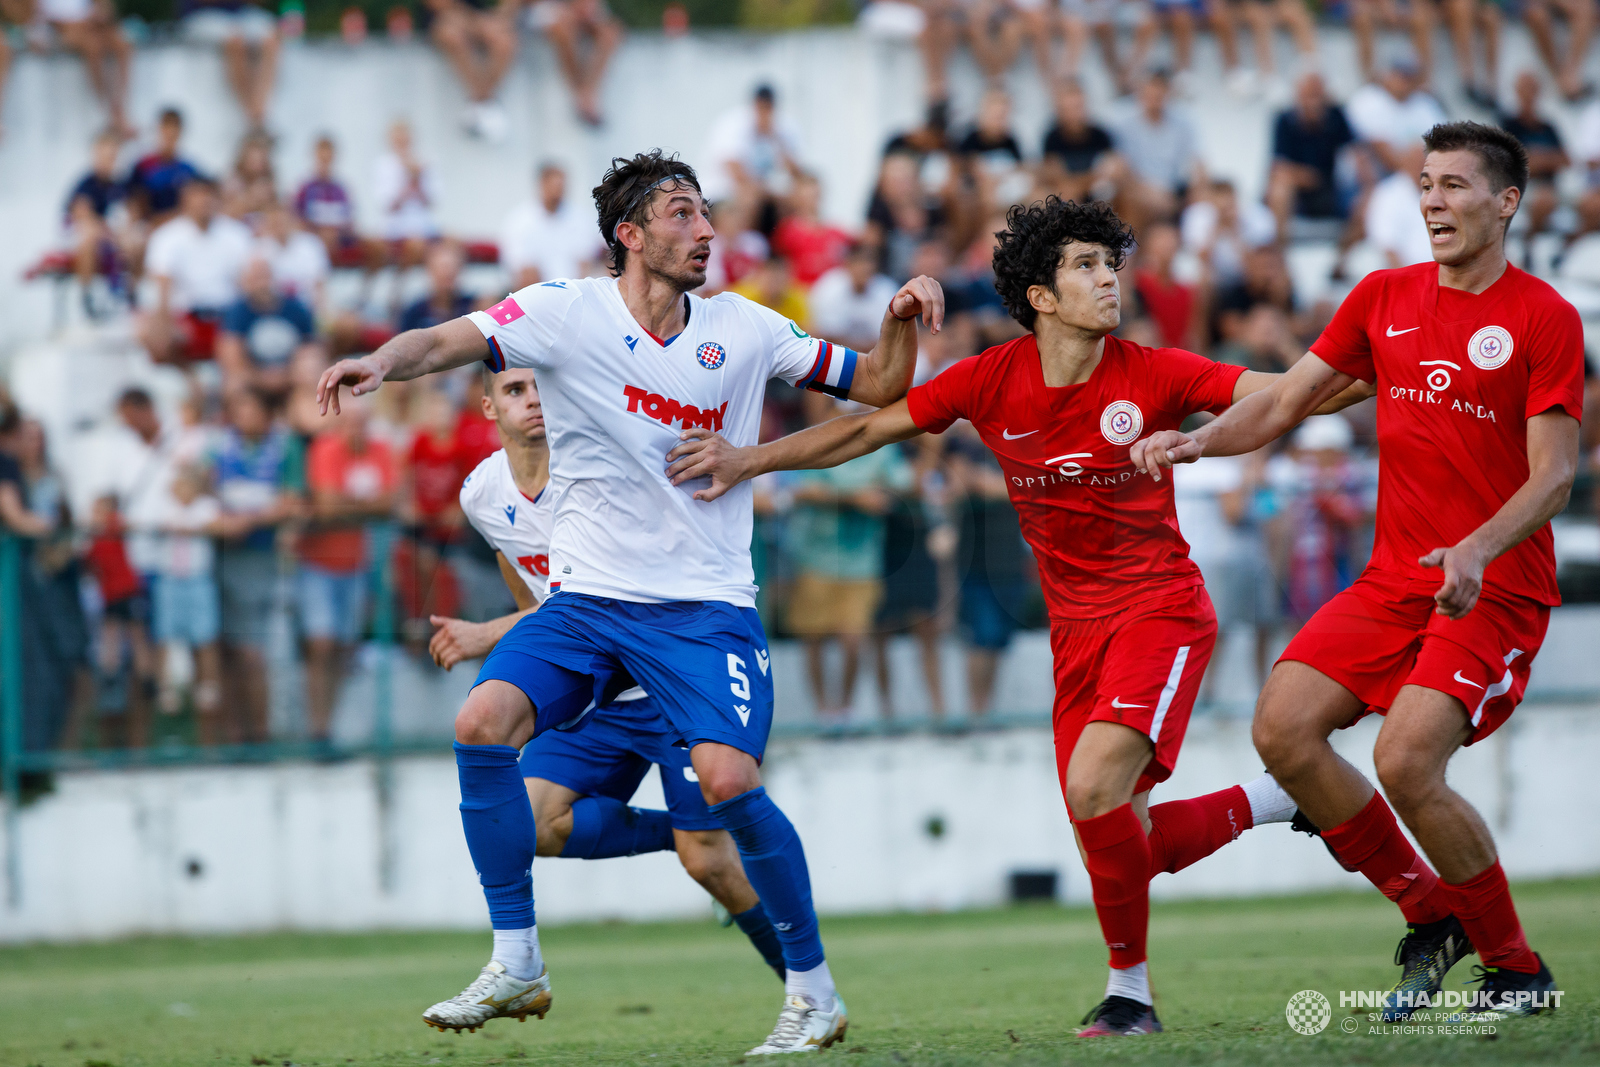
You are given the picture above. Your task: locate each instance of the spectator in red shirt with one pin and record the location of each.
(1169, 302)
(351, 479)
(432, 509)
(476, 436)
(811, 246)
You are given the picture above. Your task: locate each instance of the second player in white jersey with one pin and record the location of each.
(617, 398)
(515, 526)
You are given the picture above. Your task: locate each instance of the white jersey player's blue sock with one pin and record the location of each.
(1268, 801)
(498, 822)
(817, 984)
(518, 952)
(1131, 982)
(775, 863)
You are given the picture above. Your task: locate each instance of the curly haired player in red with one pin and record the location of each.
(1131, 626)
(1479, 372)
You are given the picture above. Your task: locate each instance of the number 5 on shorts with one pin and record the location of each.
(741, 683)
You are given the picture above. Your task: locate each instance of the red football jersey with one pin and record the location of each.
(1104, 535)
(1458, 377)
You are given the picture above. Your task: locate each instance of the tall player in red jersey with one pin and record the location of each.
(1131, 626)
(1479, 372)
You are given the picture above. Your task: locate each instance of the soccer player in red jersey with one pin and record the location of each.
(1131, 626)
(1479, 373)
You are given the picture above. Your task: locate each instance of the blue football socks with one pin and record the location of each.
(758, 928)
(775, 863)
(603, 827)
(500, 833)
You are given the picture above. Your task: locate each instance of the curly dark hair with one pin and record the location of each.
(1035, 240)
(623, 194)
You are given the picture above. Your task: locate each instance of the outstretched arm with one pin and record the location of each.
(457, 639)
(403, 357)
(1253, 381)
(1552, 466)
(1252, 422)
(703, 454)
(884, 374)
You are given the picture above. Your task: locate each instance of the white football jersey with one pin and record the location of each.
(616, 399)
(517, 527)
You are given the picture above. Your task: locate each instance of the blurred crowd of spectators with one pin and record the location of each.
(242, 514)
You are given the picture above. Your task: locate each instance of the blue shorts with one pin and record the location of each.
(705, 665)
(613, 752)
(186, 609)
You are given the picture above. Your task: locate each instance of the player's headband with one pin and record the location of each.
(641, 196)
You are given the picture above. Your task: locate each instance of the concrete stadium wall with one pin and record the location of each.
(298, 846)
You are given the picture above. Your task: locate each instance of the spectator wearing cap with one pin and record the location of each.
(1158, 147)
(847, 303)
(752, 153)
(248, 38)
(256, 467)
(812, 247)
(1393, 112)
(195, 261)
(157, 180)
(445, 299)
(1547, 157)
(261, 334)
(408, 195)
(1307, 141)
(551, 235)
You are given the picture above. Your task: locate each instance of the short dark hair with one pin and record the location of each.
(135, 397)
(10, 418)
(623, 194)
(1505, 161)
(765, 94)
(1035, 240)
(170, 114)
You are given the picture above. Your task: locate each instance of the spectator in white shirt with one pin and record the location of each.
(550, 236)
(847, 302)
(194, 260)
(407, 192)
(1394, 214)
(299, 259)
(184, 598)
(1220, 230)
(1393, 112)
(752, 153)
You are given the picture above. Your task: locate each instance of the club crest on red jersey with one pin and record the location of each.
(1490, 347)
(1121, 422)
(711, 355)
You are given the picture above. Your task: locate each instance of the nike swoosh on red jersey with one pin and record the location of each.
(1115, 702)
(1009, 436)
(1469, 681)
(1392, 332)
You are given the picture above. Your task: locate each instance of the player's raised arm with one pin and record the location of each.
(1253, 381)
(403, 357)
(1251, 422)
(883, 375)
(703, 454)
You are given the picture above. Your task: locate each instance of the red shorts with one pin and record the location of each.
(1141, 668)
(198, 332)
(1382, 633)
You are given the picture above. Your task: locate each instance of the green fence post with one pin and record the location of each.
(383, 540)
(11, 707)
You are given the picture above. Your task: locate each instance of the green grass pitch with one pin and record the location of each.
(988, 987)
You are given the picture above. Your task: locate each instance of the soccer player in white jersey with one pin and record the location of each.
(647, 586)
(579, 781)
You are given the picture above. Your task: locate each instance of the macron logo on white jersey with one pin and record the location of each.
(511, 514)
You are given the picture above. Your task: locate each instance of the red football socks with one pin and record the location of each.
(1185, 831)
(1117, 855)
(1372, 843)
(1483, 904)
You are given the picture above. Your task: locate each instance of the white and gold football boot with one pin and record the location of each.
(804, 1026)
(494, 994)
